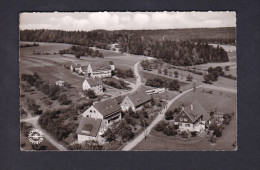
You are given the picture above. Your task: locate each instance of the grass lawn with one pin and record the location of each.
(221, 102)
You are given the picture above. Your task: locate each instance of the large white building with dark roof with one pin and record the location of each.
(94, 84)
(193, 118)
(135, 101)
(99, 69)
(108, 111)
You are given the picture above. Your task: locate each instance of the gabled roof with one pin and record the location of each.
(139, 97)
(195, 110)
(107, 107)
(94, 81)
(97, 66)
(119, 99)
(90, 125)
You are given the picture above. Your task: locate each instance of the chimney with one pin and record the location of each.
(191, 106)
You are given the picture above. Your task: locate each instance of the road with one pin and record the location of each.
(207, 86)
(35, 124)
(159, 117)
(138, 78)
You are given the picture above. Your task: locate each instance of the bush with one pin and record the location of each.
(194, 134)
(184, 134)
(90, 93)
(38, 147)
(169, 115)
(63, 99)
(227, 118)
(161, 125)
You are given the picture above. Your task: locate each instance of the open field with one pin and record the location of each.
(217, 101)
(158, 141)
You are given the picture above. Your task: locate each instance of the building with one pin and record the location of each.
(193, 118)
(94, 84)
(155, 91)
(100, 70)
(75, 67)
(108, 111)
(135, 101)
(60, 83)
(90, 129)
(83, 70)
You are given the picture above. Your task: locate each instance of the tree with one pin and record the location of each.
(169, 115)
(165, 71)
(168, 130)
(109, 135)
(77, 55)
(189, 78)
(174, 85)
(161, 125)
(63, 99)
(90, 93)
(176, 74)
(207, 79)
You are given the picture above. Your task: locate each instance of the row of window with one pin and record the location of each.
(185, 119)
(186, 124)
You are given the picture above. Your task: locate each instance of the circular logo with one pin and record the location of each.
(35, 136)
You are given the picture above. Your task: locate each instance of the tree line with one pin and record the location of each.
(79, 51)
(182, 53)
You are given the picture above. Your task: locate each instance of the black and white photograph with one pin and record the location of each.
(128, 81)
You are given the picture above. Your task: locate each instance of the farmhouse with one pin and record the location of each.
(108, 111)
(94, 84)
(100, 70)
(75, 67)
(135, 101)
(90, 129)
(193, 118)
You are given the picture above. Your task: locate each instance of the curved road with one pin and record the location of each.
(159, 117)
(138, 78)
(35, 124)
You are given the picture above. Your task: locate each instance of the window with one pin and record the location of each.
(187, 125)
(181, 119)
(90, 111)
(185, 119)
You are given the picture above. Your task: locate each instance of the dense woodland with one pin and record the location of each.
(177, 46)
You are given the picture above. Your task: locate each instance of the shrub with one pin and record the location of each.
(227, 118)
(169, 115)
(194, 134)
(63, 99)
(212, 139)
(161, 125)
(184, 134)
(168, 130)
(38, 147)
(90, 93)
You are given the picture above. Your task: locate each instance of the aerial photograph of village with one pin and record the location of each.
(128, 81)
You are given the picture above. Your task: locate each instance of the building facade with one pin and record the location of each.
(94, 84)
(193, 118)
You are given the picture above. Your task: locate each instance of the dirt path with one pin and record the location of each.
(159, 117)
(35, 124)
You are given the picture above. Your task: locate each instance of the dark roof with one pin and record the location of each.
(119, 99)
(139, 97)
(196, 112)
(94, 81)
(97, 66)
(76, 65)
(89, 125)
(107, 107)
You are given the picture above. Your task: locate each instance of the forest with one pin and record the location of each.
(176, 51)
